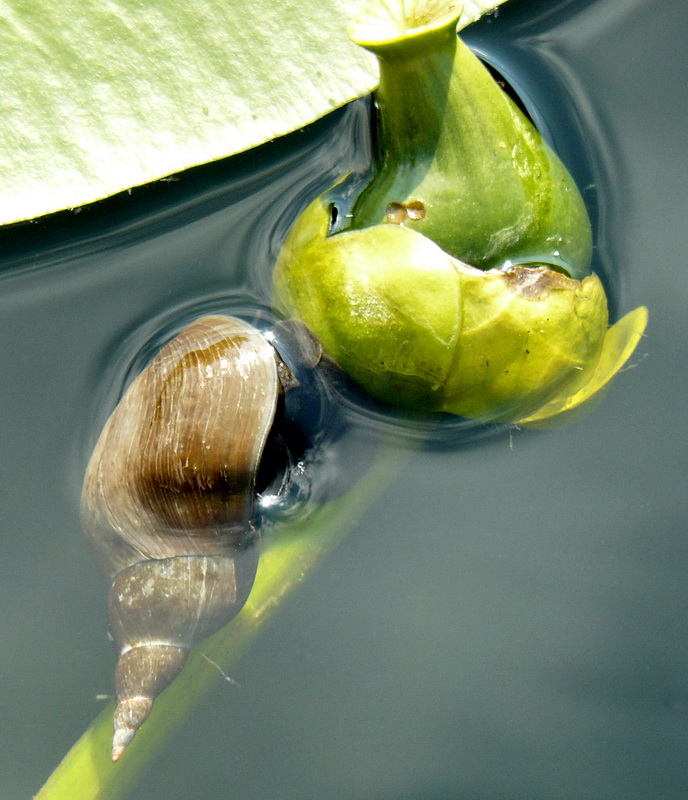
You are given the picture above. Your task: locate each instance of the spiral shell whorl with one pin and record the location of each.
(158, 610)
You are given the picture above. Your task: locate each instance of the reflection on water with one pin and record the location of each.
(508, 622)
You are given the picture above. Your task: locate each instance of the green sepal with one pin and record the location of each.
(384, 302)
(526, 335)
(419, 329)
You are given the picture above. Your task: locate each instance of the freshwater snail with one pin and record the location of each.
(168, 501)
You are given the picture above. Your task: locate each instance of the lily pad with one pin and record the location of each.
(97, 97)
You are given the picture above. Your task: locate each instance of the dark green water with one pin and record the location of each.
(509, 621)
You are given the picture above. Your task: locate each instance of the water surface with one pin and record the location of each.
(508, 622)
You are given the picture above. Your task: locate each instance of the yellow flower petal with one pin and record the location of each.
(619, 343)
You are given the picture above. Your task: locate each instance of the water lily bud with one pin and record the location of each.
(459, 281)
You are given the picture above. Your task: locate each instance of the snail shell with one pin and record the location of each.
(168, 502)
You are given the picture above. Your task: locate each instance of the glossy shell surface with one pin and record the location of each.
(174, 469)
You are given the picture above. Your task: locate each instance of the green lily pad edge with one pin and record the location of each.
(97, 99)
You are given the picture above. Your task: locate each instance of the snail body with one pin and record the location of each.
(168, 502)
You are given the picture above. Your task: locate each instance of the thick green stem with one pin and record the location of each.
(412, 103)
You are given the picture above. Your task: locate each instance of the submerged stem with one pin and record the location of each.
(87, 772)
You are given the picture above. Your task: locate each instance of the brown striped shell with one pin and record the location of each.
(168, 500)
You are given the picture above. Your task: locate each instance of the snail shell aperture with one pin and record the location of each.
(168, 502)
